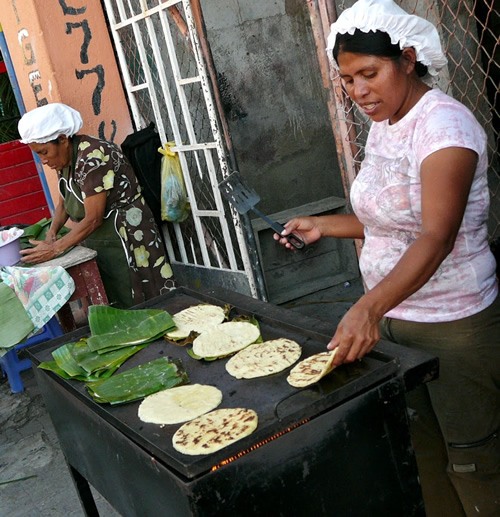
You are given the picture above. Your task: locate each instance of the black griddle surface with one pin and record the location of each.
(277, 404)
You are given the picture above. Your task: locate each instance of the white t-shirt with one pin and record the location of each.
(386, 197)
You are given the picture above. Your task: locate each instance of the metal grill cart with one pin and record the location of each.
(340, 447)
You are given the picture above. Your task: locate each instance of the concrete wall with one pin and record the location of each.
(61, 52)
(266, 59)
(275, 102)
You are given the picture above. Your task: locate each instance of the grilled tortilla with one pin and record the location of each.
(311, 369)
(261, 359)
(214, 431)
(225, 339)
(197, 318)
(180, 404)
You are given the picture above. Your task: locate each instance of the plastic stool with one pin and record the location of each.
(13, 366)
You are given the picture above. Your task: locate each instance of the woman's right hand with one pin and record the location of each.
(50, 236)
(306, 228)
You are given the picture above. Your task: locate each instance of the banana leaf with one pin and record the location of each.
(138, 382)
(112, 329)
(38, 231)
(15, 324)
(65, 360)
(96, 363)
(78, 362)
(51, 366)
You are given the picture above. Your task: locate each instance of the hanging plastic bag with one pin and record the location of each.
(174, 203)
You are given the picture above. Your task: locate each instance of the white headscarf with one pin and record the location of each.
(46, 123)
(404, 29)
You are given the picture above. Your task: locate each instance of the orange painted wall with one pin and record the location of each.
(61, 52)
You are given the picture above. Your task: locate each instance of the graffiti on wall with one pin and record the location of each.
(34, 75)
(77, 27)
(81, 24)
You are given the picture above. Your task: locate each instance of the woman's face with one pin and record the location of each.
(54, 155)
(382, 87)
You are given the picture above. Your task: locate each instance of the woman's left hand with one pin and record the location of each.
(357, 333)
(41, 252)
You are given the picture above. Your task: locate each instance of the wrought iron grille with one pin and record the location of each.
(469, 33)
(163, 68)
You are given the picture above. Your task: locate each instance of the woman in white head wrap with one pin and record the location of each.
(421, 203)
(100, 194)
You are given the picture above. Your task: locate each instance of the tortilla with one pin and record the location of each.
(180, 404)
(214, 431)
(225, 339)
(197, 318)
(311, 369)
(261, 359)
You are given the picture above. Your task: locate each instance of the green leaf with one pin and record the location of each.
(38, 231)
(51, 366)
(66, 362)
(139, 382)
(78, 362)
(113, 328)
(99, 363)
(15, 324)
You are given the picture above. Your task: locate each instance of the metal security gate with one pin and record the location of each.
(164, 59)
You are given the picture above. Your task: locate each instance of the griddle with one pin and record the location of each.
(279, 406)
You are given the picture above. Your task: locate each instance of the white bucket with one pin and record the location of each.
(10, 246)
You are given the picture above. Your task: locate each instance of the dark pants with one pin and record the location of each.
(455, 420)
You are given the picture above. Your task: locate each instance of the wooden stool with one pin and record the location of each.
(80, 263)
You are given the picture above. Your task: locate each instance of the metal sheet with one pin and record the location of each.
(277, 404)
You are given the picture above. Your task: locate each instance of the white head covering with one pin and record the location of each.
(404, 29)
(46, 123)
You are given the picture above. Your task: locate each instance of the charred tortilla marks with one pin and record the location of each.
(261, 359)
(214, 431)
(311, 369)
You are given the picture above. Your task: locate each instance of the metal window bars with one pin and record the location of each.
(166, 79)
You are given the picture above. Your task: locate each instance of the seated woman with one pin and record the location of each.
(100, 194)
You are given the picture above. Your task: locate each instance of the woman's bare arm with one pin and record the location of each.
(446, 178)
(95, 207)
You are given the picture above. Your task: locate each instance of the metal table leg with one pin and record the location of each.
(84, 493)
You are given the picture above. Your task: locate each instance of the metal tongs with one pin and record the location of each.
(243, 198)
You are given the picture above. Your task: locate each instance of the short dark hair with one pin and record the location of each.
(373, 43)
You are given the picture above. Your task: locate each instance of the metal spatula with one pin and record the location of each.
(243, 198)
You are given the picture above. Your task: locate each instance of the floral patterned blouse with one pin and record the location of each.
(100, 166)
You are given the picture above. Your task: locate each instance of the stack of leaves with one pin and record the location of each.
(116, 335)
(138, 382)
(38, 232)
(112, 329)
(77, 361)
